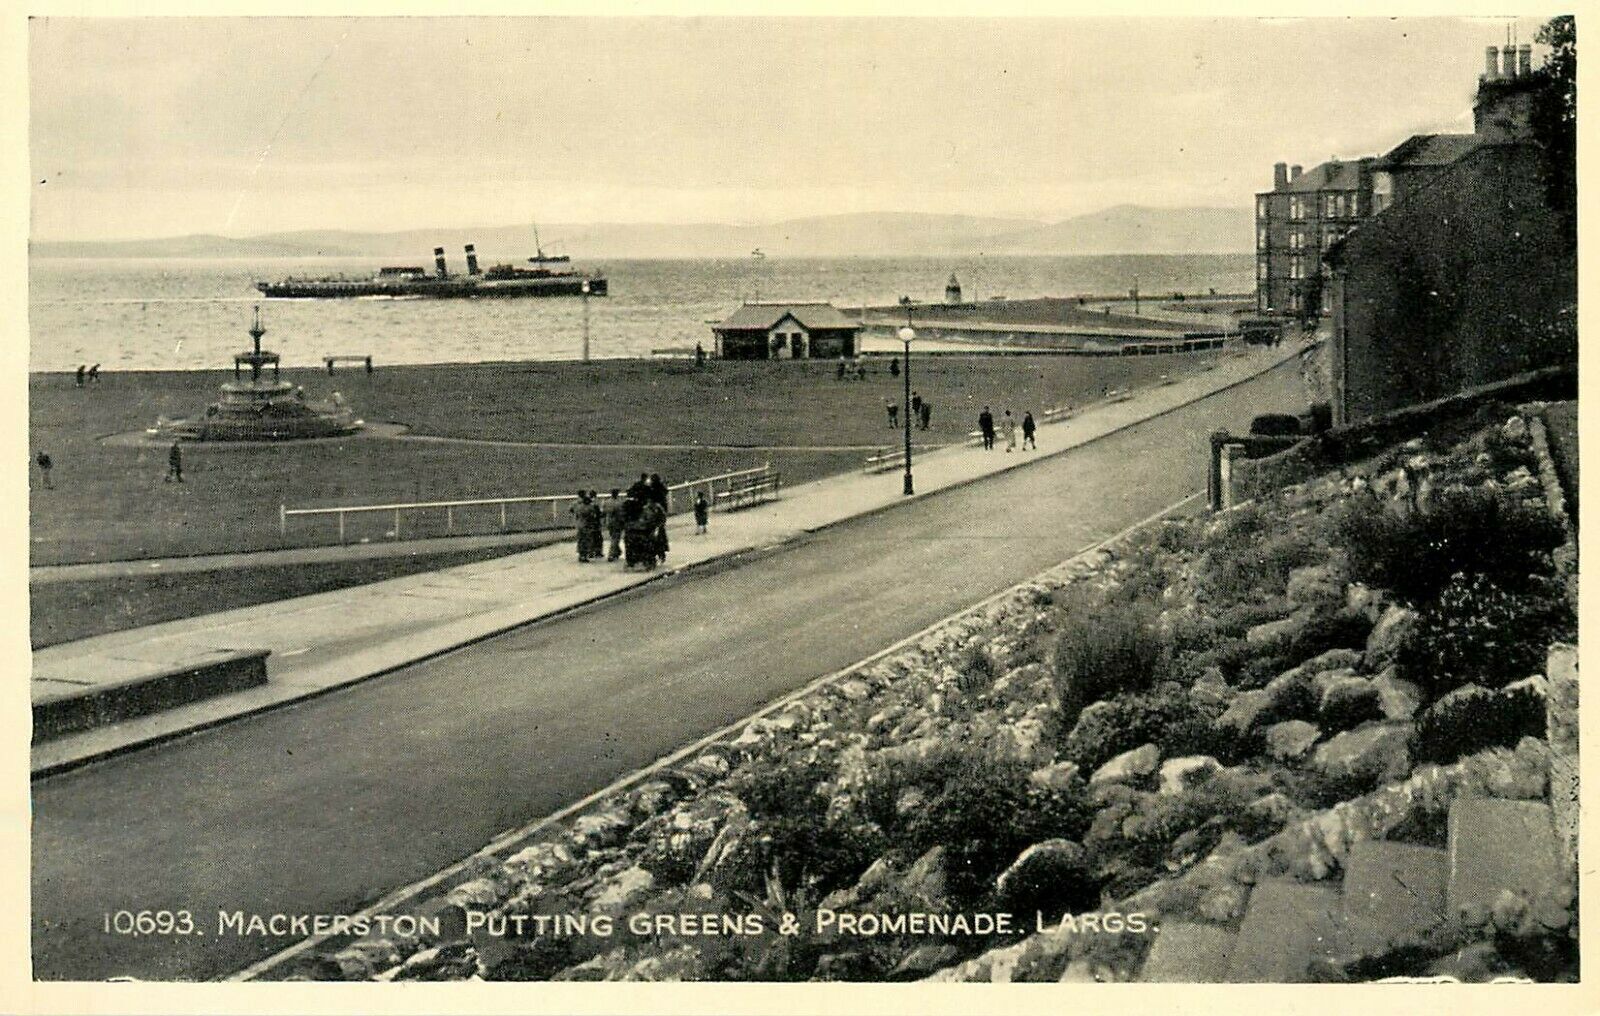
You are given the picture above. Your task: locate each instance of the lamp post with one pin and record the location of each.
(906, 335)
(583, 289)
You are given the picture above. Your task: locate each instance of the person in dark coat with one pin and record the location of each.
(986, 428)
(174, 464)
(927, 413)
(81, 369)
(638, 538)
(640, 490)
(702, 512)
(580, 523)
(655, 533)
(1028, 428)
(612, 515)
(45, 465)
(594, 526)
(658, 497)
(916, 405)
(94, 374)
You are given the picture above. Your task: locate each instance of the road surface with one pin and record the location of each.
(325, 806)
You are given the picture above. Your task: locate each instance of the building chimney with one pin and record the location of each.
(472, 260)
(1491, 63)
(438, 263)
(1294, 173)
(1508, 57)
(1280, 176)
(1524, 60)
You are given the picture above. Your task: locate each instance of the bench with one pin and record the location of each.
(362, 358)
(748, 492)
(885, 460)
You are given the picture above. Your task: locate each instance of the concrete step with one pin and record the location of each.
(1189, 953)
(1498, 845)
(1392, 891)
(1287, 927)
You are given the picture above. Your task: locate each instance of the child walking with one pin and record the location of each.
(702, 513)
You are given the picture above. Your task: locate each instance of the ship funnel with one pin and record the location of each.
(438, 263)
(472, 260)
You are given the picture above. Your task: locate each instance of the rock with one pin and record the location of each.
(913, 754)
(1090, 719)
(925, 877)
(923, 960)
(1247, 711)
(1291, 739)
(1561, 705)
(1515, 429)
(910, 800)
(1022, 741)
(676, 965)
(1378, 751)
(1224, 904)
(1349, 701)
(1273, 632)
(1394, 626)
(1316, 585)
(1275, 807)
(1333, 659)
(1211, 688)
(1041, 867)
(1456, 696)
(603, 828)
(1322, 680)
(853, 690)
(624, 888)
(1398, 698)
(1130, 765)
(1179, 773)
(1060, 776)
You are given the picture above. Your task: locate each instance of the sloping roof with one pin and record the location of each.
(762, 316)
(1422, 150)
(1342, 175)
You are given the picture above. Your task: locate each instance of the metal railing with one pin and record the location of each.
(533, 518)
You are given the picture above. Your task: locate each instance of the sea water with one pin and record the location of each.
(194, 313)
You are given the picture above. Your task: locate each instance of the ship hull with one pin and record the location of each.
(447, 289)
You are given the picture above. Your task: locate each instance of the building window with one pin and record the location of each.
(1261, 269)
(1262, 208)
(1261, 238)
(1297, 268)
(1297, 208)
(1297, 240)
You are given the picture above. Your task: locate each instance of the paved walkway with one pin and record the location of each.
(332, 639)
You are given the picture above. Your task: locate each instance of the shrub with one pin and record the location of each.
(976, 671)
(1106, 651)
(1062, 883)
(792, 832)
(987, 813)
(1167, 717)
(1248, 565)
(1479, 633)
(1472, 723)
(1342, 629)
(1414, 552)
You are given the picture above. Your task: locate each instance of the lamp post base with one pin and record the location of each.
(908, 489)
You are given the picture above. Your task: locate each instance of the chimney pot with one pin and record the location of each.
(1491, 63)
(1294, 173)
(1508, 57)
(1280, 176)
(1524, 60)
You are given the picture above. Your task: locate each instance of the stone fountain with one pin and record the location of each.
(263, 410)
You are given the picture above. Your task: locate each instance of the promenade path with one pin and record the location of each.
(326, 806)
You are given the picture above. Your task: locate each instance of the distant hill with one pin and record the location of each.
(1135, 229)
(1125, 229)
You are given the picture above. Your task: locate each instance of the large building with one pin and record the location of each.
(1464, 275)
(786, 331)
(1296, 222)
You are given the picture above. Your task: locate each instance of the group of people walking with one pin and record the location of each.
(87, 373)
(1008, 427)
(635, 523)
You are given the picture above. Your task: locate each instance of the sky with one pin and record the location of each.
(153, 127)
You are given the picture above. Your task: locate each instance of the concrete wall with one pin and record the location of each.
(1465, 282)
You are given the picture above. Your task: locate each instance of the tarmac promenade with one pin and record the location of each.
(330, 640)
